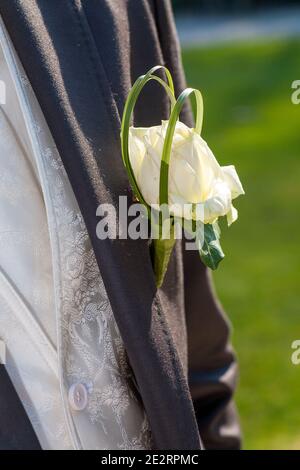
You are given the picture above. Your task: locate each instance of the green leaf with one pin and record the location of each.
(210, 249)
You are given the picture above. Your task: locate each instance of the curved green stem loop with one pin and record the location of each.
(166, 154)
(127, 114)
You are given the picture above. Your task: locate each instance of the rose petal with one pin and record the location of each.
(233, 181)
(232, 215)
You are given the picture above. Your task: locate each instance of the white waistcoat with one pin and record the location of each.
(65, 355)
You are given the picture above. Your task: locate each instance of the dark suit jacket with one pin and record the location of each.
(81, 57)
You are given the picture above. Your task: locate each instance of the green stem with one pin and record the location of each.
(166, 154)
(161, 250)
(127, 114)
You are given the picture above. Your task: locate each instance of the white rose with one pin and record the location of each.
(195, 176)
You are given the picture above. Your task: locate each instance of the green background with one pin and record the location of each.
(250, 121)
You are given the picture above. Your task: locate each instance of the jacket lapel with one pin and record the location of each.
(59, 54)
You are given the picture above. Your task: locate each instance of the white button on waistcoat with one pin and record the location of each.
(78, 397)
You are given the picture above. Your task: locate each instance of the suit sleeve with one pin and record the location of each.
(213, 369)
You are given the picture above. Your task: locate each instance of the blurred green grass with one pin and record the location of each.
(249, 121)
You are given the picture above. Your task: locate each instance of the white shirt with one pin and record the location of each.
(64, 353)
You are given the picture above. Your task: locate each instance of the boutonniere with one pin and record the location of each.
(175, 176)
